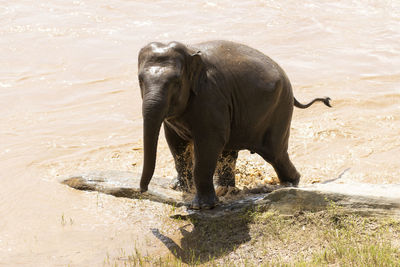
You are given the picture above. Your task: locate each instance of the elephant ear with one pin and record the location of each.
(197, 72)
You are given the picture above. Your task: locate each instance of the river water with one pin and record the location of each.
(70, 103)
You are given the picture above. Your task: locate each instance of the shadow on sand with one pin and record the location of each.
(207, 238)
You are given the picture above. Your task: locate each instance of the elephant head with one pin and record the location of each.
(168, 76)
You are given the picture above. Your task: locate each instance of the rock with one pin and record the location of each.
(125, 184)
(363, 198)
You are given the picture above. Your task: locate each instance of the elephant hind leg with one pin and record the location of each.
(287, 173)
(284, 168)
(226, 168)
(274, 151)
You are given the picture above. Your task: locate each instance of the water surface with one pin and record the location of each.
(70, 103)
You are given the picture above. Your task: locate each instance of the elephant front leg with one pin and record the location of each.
(182, 151)
(206, 156)
(184, 167)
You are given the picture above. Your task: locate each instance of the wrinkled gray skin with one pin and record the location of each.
(215, 98)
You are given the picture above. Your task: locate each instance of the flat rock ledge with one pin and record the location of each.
(362, 198)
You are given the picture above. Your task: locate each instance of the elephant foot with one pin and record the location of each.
(179, 185)
(287, 184)
(204, 202)
(291, 183)
(226, 190)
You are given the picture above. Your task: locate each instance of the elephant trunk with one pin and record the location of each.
(153, 116)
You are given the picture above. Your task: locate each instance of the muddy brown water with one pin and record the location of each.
(70, 103)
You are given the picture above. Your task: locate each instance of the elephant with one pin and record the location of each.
(214, 99)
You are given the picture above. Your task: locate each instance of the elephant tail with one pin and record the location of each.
(324, 100)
